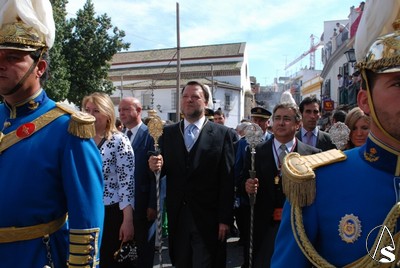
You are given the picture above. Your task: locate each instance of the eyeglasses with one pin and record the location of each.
(285, 119)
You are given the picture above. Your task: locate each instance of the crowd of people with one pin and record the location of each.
(350, 221)
(349, 85)
(133, 188)
(92, 192)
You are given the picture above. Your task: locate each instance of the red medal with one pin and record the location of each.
(25, 130)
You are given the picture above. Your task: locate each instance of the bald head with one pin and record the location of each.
(130, 112)
(132, 101)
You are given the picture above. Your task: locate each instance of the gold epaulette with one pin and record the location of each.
(83, 248)
(81, 124)
(298, 177)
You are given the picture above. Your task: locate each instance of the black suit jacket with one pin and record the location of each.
(145, 186)
(324, 141)
(269, 195)
(201, 179)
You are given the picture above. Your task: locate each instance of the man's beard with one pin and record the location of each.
(194, 114)
(389, 123)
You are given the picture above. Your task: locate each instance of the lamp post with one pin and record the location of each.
(351, 56)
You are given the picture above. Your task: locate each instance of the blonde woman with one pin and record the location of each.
(118, 170)
(358, 123)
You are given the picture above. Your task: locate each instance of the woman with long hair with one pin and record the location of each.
(118, 171)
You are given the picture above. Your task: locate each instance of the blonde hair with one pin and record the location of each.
(106, 107)
(352, 118)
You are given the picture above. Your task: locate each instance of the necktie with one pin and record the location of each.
(190, 136)
(283, 153)
(309, 136)
(129, 134)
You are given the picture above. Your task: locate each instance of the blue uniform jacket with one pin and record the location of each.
(43, 177)
(357, 193)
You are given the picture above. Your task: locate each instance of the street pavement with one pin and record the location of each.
(234, 255)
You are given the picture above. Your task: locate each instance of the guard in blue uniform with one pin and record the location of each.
(345, 213)
(51, 178)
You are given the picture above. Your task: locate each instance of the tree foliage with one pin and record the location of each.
(86, 45)
(57, 87)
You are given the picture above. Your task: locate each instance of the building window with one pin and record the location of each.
(341, 71)
(228, 105)
(345, 69)
(327, 89)
(173, 99)
(146, 101)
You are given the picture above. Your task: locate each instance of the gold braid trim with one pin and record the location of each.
(378, 65)
(364, 262)
(302, 240)
(81, 125)
(9, 139)
(83, 250)
(21, 41)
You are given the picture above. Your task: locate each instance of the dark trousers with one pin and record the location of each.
(263, 241)
(110, 241)
(263, 253)
(239, 222)
(145, 245)
(244, 215)
(190, 250)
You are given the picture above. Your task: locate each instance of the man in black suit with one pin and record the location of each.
(130, 111)
(259, 116)
(199, 183)
(268, 184)
(310, 109)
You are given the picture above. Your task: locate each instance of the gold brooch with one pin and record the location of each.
(349, 228)
(371, 156)
(33, 105)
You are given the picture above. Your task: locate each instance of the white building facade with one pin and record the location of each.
(152, 77)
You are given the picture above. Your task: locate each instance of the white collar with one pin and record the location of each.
(199, 123)
(134, 130)
(289, 145)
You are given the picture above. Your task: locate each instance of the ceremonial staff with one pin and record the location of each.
(254, 135)
(155, 126)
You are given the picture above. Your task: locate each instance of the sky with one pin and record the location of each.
(275, 31)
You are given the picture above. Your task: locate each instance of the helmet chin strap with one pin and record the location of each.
(372, 108)
(29, 72)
